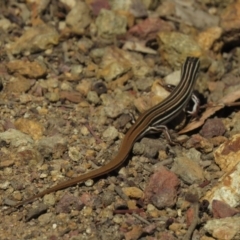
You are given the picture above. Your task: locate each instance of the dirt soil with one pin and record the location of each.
(74, 77)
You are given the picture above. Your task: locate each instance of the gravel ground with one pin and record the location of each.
(74, 75)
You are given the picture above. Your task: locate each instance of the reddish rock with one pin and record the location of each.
(71, 96)
(161, 190)
(189, 216)
(212, 128)
(69, 202)
(221, 209)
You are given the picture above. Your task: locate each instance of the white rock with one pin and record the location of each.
(225, 228)
(227, 189)
(227, 156)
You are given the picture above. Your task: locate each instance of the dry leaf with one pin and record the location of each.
(225, 101)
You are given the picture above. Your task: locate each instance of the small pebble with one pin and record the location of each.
(110, 133)
(92, 97)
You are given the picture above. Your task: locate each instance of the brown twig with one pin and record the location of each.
(195, 205)
(129, 211)
(232, 104)
(98, 140)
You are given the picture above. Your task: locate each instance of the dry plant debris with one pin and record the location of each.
(73, 76)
